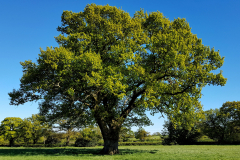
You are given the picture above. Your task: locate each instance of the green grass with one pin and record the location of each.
(127, 153)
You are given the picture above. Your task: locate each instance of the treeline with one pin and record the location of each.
(222, 125)
(36, 131)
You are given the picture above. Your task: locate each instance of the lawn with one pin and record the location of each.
(127, 152)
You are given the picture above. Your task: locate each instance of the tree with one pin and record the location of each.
(141, 134)
(37, 128)
(32, 128)
(26, 130)
(54, 138)
(216, 125)
(88, 137)
(232, 110)
(157, 134)
(110, 68)
(183, 128)
(223, 124)
(181, 134)
(11, 129)
(126, 133)
(68, 128)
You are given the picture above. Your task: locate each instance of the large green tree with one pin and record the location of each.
(110, 67)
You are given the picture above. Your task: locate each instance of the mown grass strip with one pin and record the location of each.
(201, 152)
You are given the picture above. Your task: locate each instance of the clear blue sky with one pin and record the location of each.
(28, 25)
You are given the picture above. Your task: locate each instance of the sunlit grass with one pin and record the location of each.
(127, 152)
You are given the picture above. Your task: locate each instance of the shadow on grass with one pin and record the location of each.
(65, 151)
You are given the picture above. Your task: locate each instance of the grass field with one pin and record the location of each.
(127, 153)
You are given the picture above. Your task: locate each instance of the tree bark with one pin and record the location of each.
(110, 137)
(110, 146)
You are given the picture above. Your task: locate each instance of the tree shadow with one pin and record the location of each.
(65, 151)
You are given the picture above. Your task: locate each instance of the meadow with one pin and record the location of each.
(126, 152)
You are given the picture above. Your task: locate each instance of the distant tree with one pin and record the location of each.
(183, 128)
(88, 137)
(156, 134)
(11, 129)
(38, 126)
(126, 133)
(141, 134)
(179, 134)
(26, 130)
(91, 132)
(232, 109)
(223, 124)
(215, 125)
(68, 127)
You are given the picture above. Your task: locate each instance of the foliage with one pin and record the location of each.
(11, 129)
(156, 134)
(187, 129)
(90, 132)
(32, 128)
(141, 134)
(126, 133)
(82, 142)
(89, 137)
(38, 127)
(53, 138)
(223, 124)
(2, 140)
(68, 128)
(232, 110)
(26, 131)
(181, 134)
(110, 68)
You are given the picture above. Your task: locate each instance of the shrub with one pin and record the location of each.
(82, 142)
(52, 140)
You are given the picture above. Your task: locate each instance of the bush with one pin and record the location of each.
(52, 141)
(81, 142)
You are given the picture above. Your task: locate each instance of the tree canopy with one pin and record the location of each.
(223, 124)
(110, 68)
(11, 129)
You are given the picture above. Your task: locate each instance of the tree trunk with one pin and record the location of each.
(44, 141)
(110, 137)
(68, 139)
(11, 142)
(34, 141)
(110, 146)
